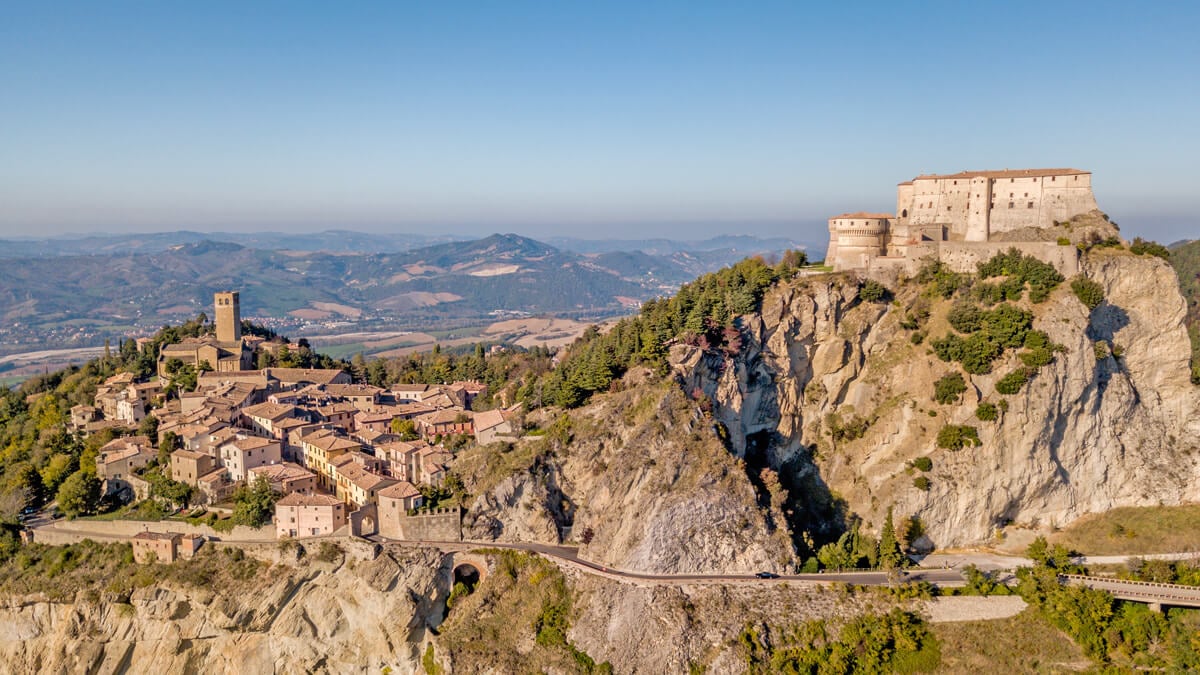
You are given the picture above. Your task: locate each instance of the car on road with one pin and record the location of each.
(767, 575)
(28, 511)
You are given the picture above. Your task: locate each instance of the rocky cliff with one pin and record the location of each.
(1089, 432)
(639, 478)
(344, 617)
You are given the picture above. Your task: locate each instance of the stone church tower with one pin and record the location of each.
(228, 317)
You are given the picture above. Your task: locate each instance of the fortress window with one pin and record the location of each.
(1026, 194)
(1052, 178)
(1010, 205)
(1030, 205)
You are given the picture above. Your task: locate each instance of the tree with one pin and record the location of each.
(166, 446)
(149, 427)
(1089, 292)
(79, 495)
(949, 388)
(254, 504)
(890, 555)
(405, 429)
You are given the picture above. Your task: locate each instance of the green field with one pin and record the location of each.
(1135, 530)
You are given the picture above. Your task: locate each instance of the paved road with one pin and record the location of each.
(570, 554)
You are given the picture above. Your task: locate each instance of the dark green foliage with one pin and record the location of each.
(921, 483)
(1185, 258)
(1089, 292)
(1143, 247)
(872, 291)
(948, 348)
(79, 494)
(1021, 270)
(940, 280)
(986, 412)
(965, 316)
(977, 354)
(896, 642)
(1012, 382)
(949, 388)
(254, 504)
(1006, 326)
(849, 429)
(890, 555)
(956, 437)
(987, 293)
(923, 464)
(701, 314)
(1036, 358)
(982, 583)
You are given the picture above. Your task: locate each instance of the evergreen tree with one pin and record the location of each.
(890, 555)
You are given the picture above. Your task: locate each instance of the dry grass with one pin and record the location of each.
(1135, 531)
(1025, 643)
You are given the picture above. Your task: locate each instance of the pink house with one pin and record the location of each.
(313, 515)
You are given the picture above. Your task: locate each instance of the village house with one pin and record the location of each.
(255, 378)
(312, 515)
(493, 425)
(286, 478)
(339, 414)
(82, 415)
(164, 547)
(187, 466)
(215, 486)
(445, 423)
(118, 458)
(412, 392)
(363, 397)
(292, 378)
(431, 465)
(356, 486)
(401, 457)
(264, 418)
(320, 448)
(242, 454)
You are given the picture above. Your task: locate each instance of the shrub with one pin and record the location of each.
(917, 338)
(328, 552)
(986, 412)
(1012, 382)
(872, 291)
(921, 483)
(965, 317)
(977, 354)
(957, 437)
(922, 464)
(940, 280)
(1143, 247)
(1007, 325)
(1064, 241)
(949, 388)
(948, 348)
(1090, 293)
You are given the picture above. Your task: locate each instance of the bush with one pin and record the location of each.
(965, 317)
(949, 388)
(1036, 358)
(1007, 325)
(957, 437)
(1090, 293)
(1012, 382)
(923, 464)
(1143, 247)
(940, 280)
(986, 412)
(921, 483)
(948, 348)
(1064, 241)
(872, 291)
(977, 354)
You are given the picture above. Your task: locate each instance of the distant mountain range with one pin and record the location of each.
(126, 286)
(348, 241)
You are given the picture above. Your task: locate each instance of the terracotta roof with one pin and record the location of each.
(297, 499)
(400, 490)
(281, 471)
(252, 443)
(1006, 173)
(318, 376)
(864, 215)
(189, 454)
(270, 411)
(488, 419)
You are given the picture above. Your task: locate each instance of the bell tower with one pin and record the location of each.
(228, 316)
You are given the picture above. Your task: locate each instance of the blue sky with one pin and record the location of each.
(578, 119)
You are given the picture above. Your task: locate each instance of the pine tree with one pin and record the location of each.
(890, 555)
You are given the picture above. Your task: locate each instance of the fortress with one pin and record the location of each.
(963, 218)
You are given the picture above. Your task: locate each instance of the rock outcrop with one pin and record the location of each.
(1089, 432)
(360, 616)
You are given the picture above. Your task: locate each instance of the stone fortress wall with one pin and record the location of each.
(953, 217)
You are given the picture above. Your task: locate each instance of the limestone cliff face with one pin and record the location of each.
(646, 476)
(356, 617)
(1085, 435)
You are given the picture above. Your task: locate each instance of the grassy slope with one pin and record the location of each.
(1130, 530)
(1025, 643)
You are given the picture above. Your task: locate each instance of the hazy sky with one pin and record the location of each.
(579, 118)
